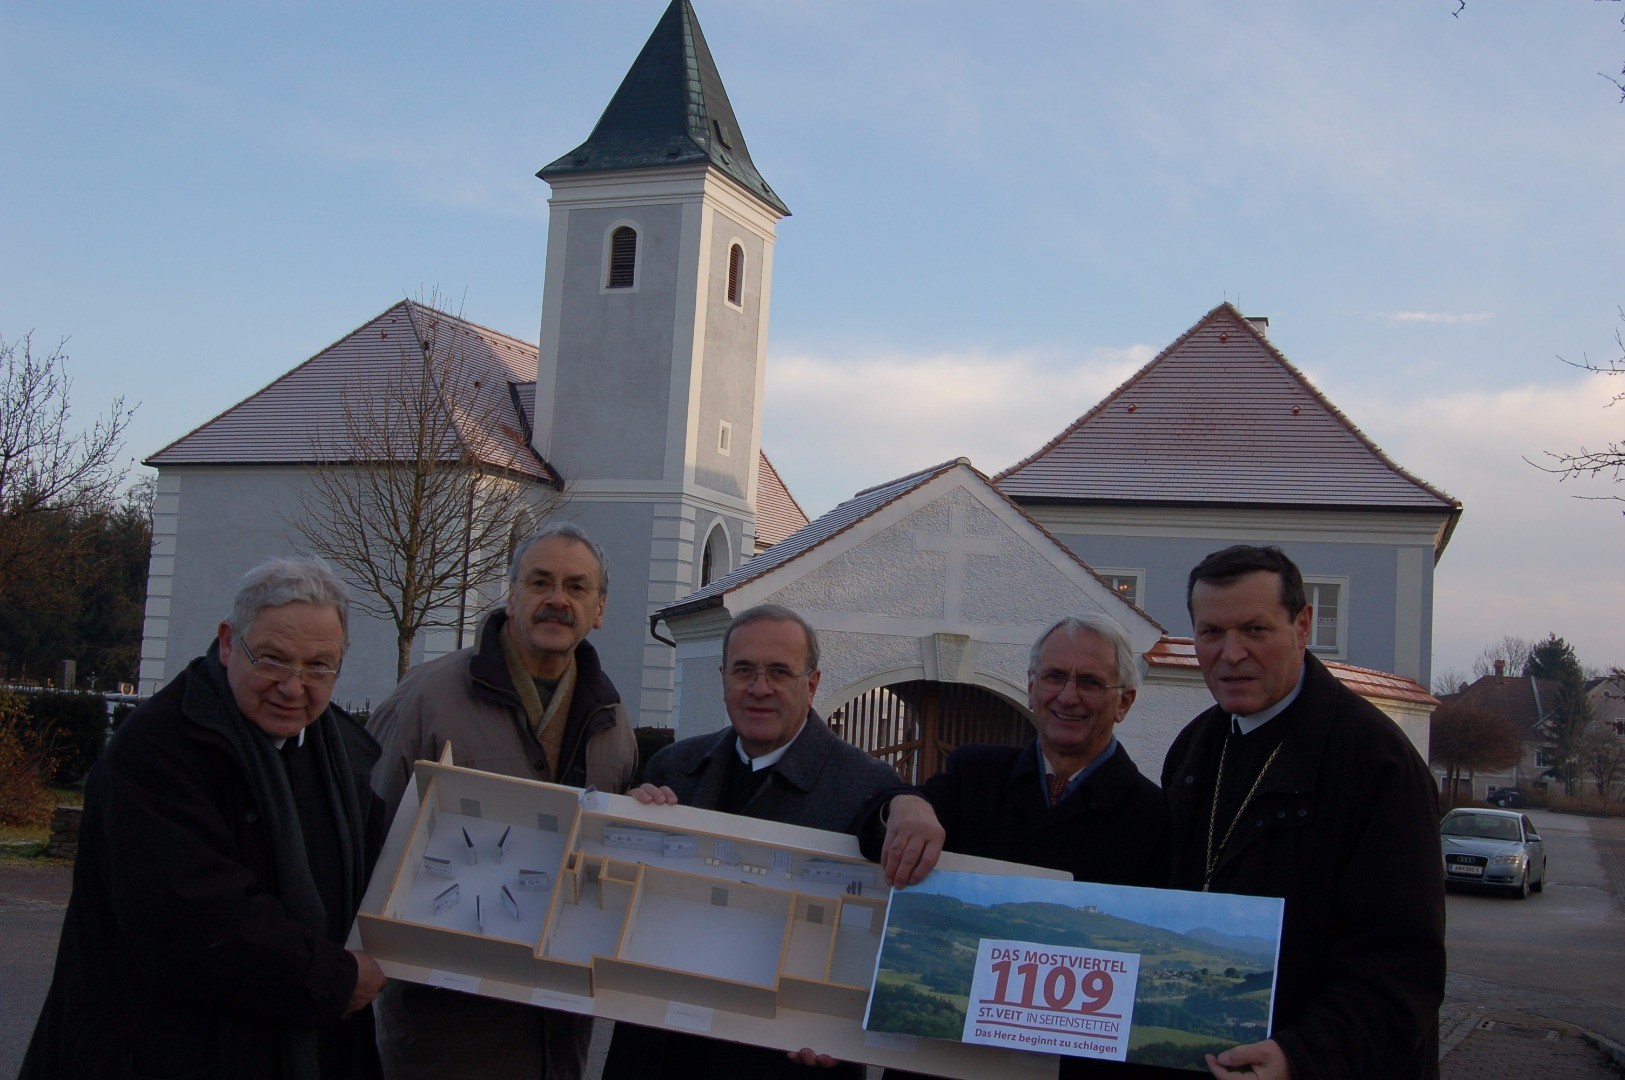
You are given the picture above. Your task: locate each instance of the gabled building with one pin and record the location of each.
(643, 400)
(927, 593)
(1221, 440)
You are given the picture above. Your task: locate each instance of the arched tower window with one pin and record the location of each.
(736, 275)
(714, 559)
(623, 258)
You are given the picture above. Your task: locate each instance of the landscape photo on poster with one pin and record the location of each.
(1154, 976)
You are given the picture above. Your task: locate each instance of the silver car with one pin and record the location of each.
(1493, 847)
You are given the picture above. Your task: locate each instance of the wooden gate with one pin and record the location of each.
(912, 726)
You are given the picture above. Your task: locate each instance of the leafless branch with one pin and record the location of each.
(406, 495)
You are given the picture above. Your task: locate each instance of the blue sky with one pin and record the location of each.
(999, 213)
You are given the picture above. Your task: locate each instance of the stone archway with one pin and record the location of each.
(913, 725)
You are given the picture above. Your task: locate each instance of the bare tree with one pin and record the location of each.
(1607, 461)
(1464, 739)
(1514, 651)
(1449, 682)
(1603, 751)
(49, 470)
(419, 489)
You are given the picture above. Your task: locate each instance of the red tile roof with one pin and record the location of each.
(287, 421)
(1219, 418)
(778, 515)
(1524, 699)
(1173, 653)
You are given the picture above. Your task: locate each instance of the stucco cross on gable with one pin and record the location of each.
(956, 545)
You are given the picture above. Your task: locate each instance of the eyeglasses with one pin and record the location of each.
(1089, 687)
(277, 671)
(778, 676)
(573, 588)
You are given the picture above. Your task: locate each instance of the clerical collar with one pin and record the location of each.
(771, 758)
(300, 744)
(1253, 721)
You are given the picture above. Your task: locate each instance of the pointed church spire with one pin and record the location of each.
(671, 109)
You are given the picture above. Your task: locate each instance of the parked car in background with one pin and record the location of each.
(1506, 797)
(1493, 848)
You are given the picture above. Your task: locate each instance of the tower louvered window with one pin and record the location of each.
(736, 274)
(623, 258)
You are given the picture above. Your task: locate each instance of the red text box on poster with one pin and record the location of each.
(1055, 999)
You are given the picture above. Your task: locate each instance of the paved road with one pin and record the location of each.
(1527, 978)
(1561, 953)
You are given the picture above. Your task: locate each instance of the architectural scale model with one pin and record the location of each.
(665, 916)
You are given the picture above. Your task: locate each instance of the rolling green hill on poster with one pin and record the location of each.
(1198, 992)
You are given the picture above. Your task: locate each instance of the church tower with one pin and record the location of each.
(654, 343)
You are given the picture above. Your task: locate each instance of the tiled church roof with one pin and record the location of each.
(295, 418)
(778, 515)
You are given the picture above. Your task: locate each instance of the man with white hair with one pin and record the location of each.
(1071, 799)
(227, 837)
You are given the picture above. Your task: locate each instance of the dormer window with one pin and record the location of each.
(736, 275)
(623, 258)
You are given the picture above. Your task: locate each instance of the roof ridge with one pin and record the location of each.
(306, 362)
(792, 495)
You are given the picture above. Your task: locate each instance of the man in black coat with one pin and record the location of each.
(1071, 799)
(227, 837)
(1294, 786)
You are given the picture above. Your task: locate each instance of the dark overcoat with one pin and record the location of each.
(1112, 828)
(1345, 827)
(176, 958)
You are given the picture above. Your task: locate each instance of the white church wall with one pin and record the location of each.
(228, 520)
(610, 416)
(728, 367)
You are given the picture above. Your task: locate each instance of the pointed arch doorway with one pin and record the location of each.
(914, 725)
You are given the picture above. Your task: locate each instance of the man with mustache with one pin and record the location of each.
(529, 700)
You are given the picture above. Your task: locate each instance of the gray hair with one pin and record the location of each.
(1102, 626)
(570, 531)
(281, 581)
(776, 613)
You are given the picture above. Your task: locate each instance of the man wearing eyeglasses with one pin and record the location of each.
(1071, 799)
(777, 761)
(530, 699)
(227, 837)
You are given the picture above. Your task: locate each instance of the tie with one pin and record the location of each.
(1057, 788)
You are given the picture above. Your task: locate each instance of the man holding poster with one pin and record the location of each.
(1072, 799)
(1294, 786)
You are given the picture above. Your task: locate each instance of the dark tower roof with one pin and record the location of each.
(671, 109)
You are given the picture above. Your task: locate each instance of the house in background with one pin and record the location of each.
(1220, 440)
(927, 594)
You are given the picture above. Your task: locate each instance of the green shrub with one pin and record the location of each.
(26, 765)
(73, 725)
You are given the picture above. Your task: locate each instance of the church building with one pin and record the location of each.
(642, 404)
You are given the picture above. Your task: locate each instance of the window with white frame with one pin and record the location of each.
(621, 271)
(1129, 584)
(736, 275)
(1329, 598)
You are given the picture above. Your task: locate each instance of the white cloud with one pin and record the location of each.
(836, 425)
(1527, 558)
(1443, 318)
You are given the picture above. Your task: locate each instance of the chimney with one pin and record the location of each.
(1261, 323)
(1500, 669)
